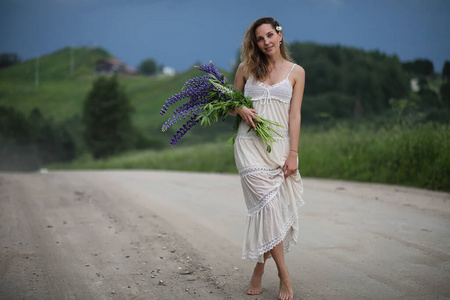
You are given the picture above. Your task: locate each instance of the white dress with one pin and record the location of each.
(272, 201)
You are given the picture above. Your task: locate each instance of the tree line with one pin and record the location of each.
(28, 142)
(8, 59)
(344, 82)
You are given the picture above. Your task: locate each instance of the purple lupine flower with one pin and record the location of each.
(189, 105)
(195, 88)
(211, 69)
(173, 99)
(182, 114)
(197, 81)
(183, 130)
(211, 87)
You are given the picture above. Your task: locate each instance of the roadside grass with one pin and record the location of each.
(418, 156)
(208, 157)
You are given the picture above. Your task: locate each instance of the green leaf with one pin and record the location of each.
(232, 140)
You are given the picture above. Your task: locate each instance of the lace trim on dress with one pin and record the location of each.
(266, 199)
(255, 254)
(276, 84)
(264, 98)
(255, 169)
(252, 135)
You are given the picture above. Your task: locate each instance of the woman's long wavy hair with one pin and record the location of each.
(255, 62)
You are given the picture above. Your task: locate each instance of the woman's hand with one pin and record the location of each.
(290, 166)
(248, 115)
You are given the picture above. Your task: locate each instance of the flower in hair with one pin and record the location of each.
(278, 28)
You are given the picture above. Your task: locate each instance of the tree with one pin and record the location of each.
(345, 78)
(446, 70)
(428, 99)
(149, 67)
(16, 151)
(8, 59)
(107, 118)
(445, 93)
(28, 143)
(52, 141)
(419, 67)
(424, 67)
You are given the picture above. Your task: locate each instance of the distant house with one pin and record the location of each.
(113, 66)
(168, 71)
(414, 82)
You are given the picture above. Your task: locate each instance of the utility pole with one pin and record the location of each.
(72, 60)
(36, 79)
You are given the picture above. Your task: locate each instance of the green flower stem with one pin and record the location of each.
(219, 107)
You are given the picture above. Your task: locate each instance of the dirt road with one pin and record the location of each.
(170, 235)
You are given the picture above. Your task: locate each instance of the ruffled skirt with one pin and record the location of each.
(272, 201)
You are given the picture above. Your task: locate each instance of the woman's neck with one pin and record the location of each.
(274, 61)
(274, 64)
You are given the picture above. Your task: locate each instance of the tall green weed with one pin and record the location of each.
(414, 156)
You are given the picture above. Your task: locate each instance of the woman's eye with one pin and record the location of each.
(270, 35)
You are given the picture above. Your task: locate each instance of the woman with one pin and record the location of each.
(271, 182)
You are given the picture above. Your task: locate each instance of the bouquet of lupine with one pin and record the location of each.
(211, 98)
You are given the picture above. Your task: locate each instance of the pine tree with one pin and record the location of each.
(107, 118)
(148, 67)
(445, 93)
(446, 70)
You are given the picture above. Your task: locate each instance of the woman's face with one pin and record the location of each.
(268, 39)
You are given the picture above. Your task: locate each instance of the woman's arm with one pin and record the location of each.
(290, 166)
(239, 79)
(247, 114)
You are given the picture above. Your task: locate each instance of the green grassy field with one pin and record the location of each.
(418, 156)
(60, 95)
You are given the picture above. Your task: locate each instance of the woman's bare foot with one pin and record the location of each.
(286, 292)
(255, 283)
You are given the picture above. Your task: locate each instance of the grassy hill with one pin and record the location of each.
(60, 94)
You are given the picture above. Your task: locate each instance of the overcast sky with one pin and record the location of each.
(181, 33)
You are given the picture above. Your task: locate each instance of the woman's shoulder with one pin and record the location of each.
(298, 73)
(240, 78)
(242, 71)
(297, 70)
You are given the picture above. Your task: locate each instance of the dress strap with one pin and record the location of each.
(290, 71)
